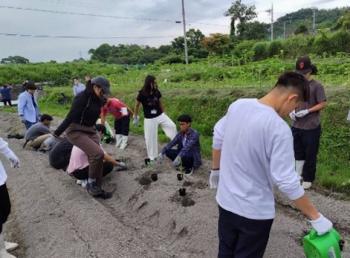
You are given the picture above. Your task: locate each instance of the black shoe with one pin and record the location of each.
(96, 191)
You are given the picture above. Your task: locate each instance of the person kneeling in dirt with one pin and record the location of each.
(5, 204)
(187, 156)
(79, 165)
(81, 132)
(38, 132)
(121, 113)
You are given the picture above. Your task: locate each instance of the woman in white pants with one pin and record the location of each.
(153, 110)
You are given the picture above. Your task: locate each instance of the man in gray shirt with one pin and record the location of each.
(306, 126)
(38, 132)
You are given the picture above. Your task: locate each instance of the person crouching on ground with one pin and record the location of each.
(79, 125)
(252, 151)
(28, 109)
(5, 204)
(121, 113)
(187, 156)
(150, 98)
(38, 132)
(79, 165)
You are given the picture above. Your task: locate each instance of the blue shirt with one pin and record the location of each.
(28, 107)
(188, 145)
(6, 93)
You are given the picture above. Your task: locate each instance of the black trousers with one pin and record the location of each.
(241, 237)
(306, 146)
(121, 125)
(7, 101)
(187, 162)
(83, 174)
(5, 205)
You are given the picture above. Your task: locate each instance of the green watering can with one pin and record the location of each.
(328, 245)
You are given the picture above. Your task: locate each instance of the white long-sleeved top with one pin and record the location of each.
(256, 153)
(4, 149)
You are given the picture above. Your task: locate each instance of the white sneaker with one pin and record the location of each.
(9, 246)
(84, 183)
(3, 251)
(307, 185)
(78, 182)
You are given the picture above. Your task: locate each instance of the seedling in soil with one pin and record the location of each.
(147, 161)
(182, 191)
(180, 177)
(154, 177)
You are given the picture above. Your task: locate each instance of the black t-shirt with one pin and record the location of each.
(150, 103)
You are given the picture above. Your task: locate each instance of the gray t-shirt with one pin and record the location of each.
(312, 120)
(35, 131)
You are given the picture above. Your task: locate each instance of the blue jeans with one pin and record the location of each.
(28, 124)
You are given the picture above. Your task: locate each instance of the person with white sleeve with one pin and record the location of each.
(251, 157)
(5, 204)
(153, 110)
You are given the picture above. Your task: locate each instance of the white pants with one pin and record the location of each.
(151, 133)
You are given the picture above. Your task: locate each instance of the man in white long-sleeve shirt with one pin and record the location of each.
(5, 204)
(252, 152)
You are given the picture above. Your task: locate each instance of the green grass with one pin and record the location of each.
(205, 90)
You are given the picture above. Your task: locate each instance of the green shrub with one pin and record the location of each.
(275, 48)
(260, 50)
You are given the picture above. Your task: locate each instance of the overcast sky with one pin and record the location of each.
(206, 15)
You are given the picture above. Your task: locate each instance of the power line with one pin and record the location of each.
(101, 15)
(79, 37)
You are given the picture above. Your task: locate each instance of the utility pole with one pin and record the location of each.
(184, 26)
(314, 21)
(270, 11)
(284, 30)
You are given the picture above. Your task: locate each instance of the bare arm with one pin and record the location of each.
(215, 162)
(161, 106)
(318, 107)
(109, 158)
(103, 119)
(137, 107)
(306, 207)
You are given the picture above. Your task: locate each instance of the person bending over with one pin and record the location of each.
(252, 152)
(38, 132)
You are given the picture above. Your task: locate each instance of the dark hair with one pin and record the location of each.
(45, 117)
(29, 85)
(314, 69)
(294, 80)
(147, 86)
(185, 118)
(89, 87)
(101, 128)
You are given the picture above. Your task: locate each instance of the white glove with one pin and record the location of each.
(292, 115)
(136, 120)
(177, 161)
(302, 113)
(11, 156)
(214, 179)
(322, 225)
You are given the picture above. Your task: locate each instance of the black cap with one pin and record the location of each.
(304, 65)
(103, 83)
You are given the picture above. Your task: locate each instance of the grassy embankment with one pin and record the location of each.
(205, 91)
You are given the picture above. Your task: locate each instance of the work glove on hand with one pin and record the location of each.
(302, 113)
(292, 115)
(177, 161)
(11, 156)
(322, 225)
(214, 179)
(136, 121)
